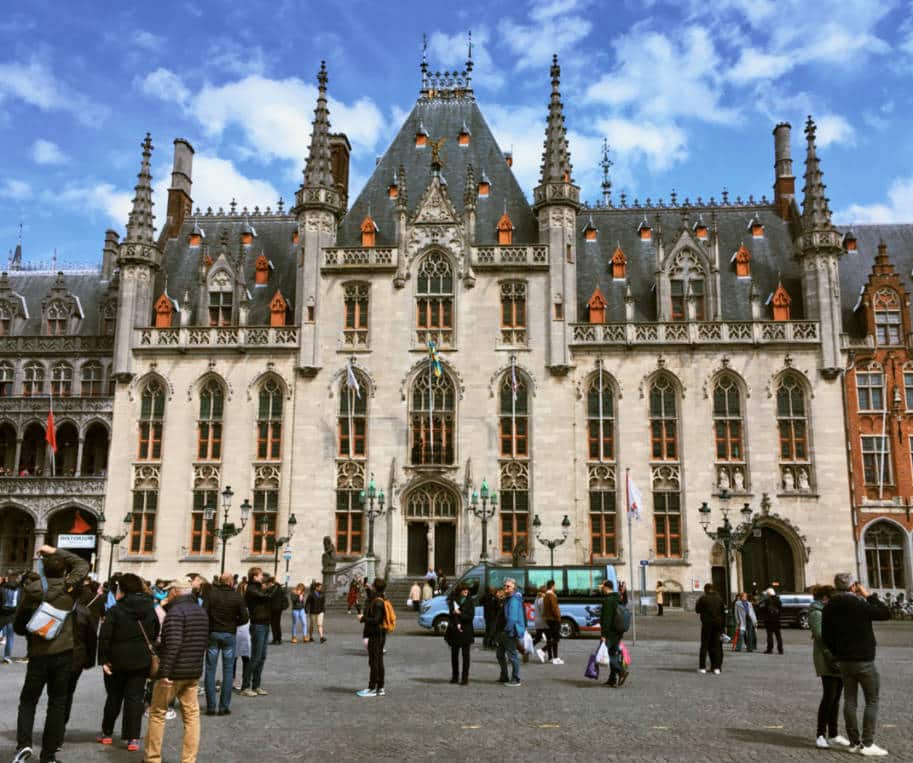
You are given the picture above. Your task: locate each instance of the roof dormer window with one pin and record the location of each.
(278, 308)
(644, 230)
(368, 231)
(590, 232)
(464, 136)
(756, 227)
(484, 186)
(261, 270)
(780, 301)
(619, 264)
(421, 136)
(742, 260)
(247, 234)
(164, 309)
(849, 241)
(597, 304)
(700, 229)
(196, 236)
(505, 231)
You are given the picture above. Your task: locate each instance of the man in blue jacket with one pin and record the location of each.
(514, 628)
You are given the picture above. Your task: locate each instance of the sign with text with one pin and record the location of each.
(75, 541)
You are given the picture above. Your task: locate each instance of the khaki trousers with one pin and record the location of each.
(162, 694)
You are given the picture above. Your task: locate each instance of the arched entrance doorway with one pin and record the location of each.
(74, 521)
(431, 516)
(17, 540)
(768, 558)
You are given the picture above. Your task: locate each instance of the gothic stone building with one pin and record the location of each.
(697, 347)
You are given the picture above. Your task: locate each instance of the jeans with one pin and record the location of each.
(9, 633)
(376, 660)
(259, 638)
(53, 671)
(507, 651)
(162, 694)
(747, 637)
(710, 642)
(299, 623)
(124, 687)
(224, 643)
(856, 674)
(829, 708)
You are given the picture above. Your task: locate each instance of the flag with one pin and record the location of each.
(80, 525)
(352, 380)
(51, 435)
(435, 359)
(635, 499)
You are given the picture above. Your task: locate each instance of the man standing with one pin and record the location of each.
(710, 608)
(226, 612)
(277, 605)
(258, 600)
(610, 635)
(514, 621)
(374, 618)
(315, 606)
(58, 582)
(185, 634)
(772, 608)
(846, 629)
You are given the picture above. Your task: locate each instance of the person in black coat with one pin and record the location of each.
(491, 605)
(85, 637)
(710, 608)
(460, 633)
(125, 658)
(278, 603)
(772, 608)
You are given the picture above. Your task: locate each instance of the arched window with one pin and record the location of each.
(352, 423)
(884, 556)
(434, 300)
(514, 499)
(729, 434)
(513, 312)
(600, 419)
(209, 440)
(431, 419)
(61, 380)
(350, 480)
(7, 375)
(205, 496)
(355, 300)
(887, 317)
(221, 293)
(92, 379)
(7, 450)
(152, 412)
(603, 512)
(269, 421)
(145, 506)
(33, 379)
(663, 420)
(792, 426)
(6, 318)
(666, 476)
(514, 416)
(57, 316)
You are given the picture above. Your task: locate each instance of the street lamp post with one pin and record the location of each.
(367, 499)
(555, 542)
(730, 537)
(113, 540)
(264, 528)
(484, 512)
(228, 530)
(287, 555)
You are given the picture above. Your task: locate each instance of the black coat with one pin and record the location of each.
(846, 626)
(315, 603)
(185, 636)
(710, 608)
(85, 638)
(120, 642)
(373, 618)
(461, 631)
(772, 607)
(258, 600)
(278, 599)
(226, 609)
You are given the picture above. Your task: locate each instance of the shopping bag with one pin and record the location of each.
(592, 669)
(625, 655)
(528, 645)
(602, 655)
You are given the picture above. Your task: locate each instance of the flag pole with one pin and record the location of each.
(431, 403)
(631, 553)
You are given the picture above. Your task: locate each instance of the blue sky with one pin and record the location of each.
(686, 93)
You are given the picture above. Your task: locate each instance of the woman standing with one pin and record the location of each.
(826, 668)
(460, 633)
(552, 614)
(315, 605)
(299, 621)
(541, 629)
(660, 599)
(746, 624)
(415, 596)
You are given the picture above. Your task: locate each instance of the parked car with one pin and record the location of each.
(793, 612)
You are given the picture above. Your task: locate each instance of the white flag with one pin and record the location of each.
(635, 499)
(352, 380)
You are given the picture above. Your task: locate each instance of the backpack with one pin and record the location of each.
(389, 623)
(622, 620)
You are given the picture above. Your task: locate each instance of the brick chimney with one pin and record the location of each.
(109, 254)
(340, 149)
(784, 180)
(179, 199)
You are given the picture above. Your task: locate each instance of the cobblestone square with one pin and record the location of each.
(761, 708)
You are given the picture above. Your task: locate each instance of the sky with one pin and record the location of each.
(685, 93)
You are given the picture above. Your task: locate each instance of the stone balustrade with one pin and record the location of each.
(358, 257)
(694, 332)
(217, 337)
(510, 256)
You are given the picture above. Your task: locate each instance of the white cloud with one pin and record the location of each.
(557, 26)
(97, 197)
(216, 181)
(47, 152)
(148, 40)
(754, 64)
(165, 85)
(521, 129)
(660, 145)
(897, 209)
(11, 188)
(35, 84)
(834, 129)
(449, 51)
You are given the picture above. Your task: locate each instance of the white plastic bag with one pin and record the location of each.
(528, 646)
(602, 655)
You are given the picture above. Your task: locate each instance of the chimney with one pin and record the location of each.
(340, 149)
(109, 255)
(784, 181)
(179, 199)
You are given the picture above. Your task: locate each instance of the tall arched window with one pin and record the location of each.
(887, 317)
(269, 421)
(434, 300)
(792, 426)
(7, 375)
(663, 420)
(884, 556)
(666, 474)
(92, 379)
(431, 419)
(209, 426)
(729, 434)
(600, 418)
(514, 416)
(352, 423)
(152, 412)
(33, 379)
(61, 380)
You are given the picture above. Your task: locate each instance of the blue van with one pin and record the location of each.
(577, 586)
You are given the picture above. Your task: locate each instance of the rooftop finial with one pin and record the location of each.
(469, 57)
(317, 169)
(424, 61)
(139, 224)
(606, 164)
(322, 77)
(556, 160)
(815, 210)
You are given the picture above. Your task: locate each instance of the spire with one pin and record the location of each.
(318, 168)
(139, 224)
(606, 164)
(816, 213)
(556, 159)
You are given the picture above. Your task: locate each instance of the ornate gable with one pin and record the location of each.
(435, 206)
(884, 292)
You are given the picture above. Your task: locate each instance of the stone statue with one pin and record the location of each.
(520, 552)
(738, 479)
(803, 479)
(789, 479)
(436, 151)
(328, 558)
(724, 480)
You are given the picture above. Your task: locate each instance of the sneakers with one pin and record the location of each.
(514, 683)
(322, 640)
(248, 693)
(873, 751)
(294, 640)
(540, 653)
(381, 693)
(622, 677)
(102, 739)
(22, 754)
(133, 745)
(838, 741)
(702, 671)
(262, 692)
(716, 671)
(171, 714)
(8, 661)
(224, 711)
(237, 686)
(821, 743)
(366, 693)
(557, 661)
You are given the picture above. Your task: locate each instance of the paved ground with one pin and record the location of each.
(761, 708)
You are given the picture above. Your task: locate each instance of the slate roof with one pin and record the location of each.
(34, 286)
(274, 239)
(770, 256)
(443, 119)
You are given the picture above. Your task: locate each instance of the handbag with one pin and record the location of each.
(47, 621)
(592, 668)
(154, 659)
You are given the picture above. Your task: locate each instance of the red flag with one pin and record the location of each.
(51, 434)
(79, 524)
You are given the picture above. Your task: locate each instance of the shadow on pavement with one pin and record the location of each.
(770, 736)
(677, 670)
